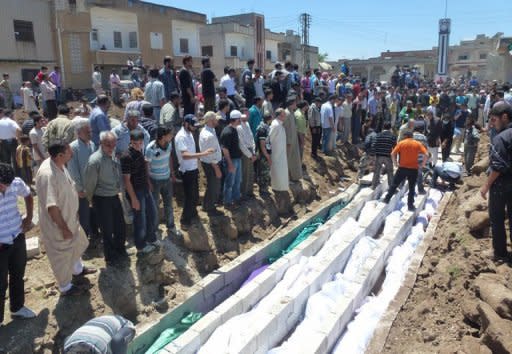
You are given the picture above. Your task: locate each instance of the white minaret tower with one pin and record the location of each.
(444, 43)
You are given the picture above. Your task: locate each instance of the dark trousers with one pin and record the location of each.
(144, 226)
(13, 259)
(110, 217)
(469, 156)
(86, 217)
(188, 107)
(209, 103)
(411, 174)
(246, 184)
(51, 109)
(316, 138)
(445, 152)
(191, 195)
(500, 207)
(356, 128)
(211, 195)
(8, 152)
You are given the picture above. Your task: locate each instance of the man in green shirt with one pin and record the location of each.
(301, 123)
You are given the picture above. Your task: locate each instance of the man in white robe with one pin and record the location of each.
(61, 235)
(279, 168)
(292, 142)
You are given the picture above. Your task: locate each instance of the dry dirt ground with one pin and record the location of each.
(462, 299)
(150, 286)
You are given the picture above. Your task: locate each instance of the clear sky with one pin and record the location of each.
(362, 29)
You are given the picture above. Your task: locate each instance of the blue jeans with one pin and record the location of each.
(156, 114)
(163, 188)
(326, 137)
(232, 182)
(144, 228)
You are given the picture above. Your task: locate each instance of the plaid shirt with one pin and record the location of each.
(10, 217)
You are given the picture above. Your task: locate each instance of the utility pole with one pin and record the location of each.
(305, 25)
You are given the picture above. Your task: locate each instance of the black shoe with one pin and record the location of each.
(411, 208)
(215, 212)
(386, 200)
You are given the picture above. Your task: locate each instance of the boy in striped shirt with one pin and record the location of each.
(159, 160)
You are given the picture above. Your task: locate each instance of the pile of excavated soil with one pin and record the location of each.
(150, 286)
(462, 299)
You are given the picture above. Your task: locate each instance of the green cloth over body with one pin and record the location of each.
(172, 333)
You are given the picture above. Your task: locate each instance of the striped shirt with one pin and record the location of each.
(95, 335)
(10, 217)
(159, 161)
(384, 143)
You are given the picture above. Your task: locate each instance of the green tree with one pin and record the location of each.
(322, 57)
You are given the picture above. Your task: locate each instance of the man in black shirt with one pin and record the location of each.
(499, 181)
(383, 144)
(147, 122)
(208, 82)
(187, 86)
(230, 145)
(136, 180)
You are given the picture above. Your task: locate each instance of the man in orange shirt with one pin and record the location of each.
(408, 149)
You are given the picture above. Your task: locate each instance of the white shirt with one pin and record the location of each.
(36, 138)
(8, 128)
(258, 87)
(47, 90)
(246, 138)
(10, 217)
(208, 139)
(326, 113)
(28, 99)
(229, 83)
(184, 141)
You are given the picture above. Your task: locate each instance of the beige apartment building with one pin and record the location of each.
(26, 39)
(107, 33)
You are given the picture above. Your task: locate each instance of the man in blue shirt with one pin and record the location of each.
(98, 118)
(450, 172)
(461, 115)
(167, 76)
(255, 116)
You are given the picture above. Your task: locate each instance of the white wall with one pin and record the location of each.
(35, 11)
(186, 30)
(106, 21)
(244, 43)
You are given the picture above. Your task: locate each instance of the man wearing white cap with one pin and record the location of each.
(230, 143)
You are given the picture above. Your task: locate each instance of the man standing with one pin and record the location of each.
(409, 151)
(279, 166)
(292, 142)
(461, 116)
(187, 86)
(63, 240)
(327, 118)
(55, 78)
(301, 124)
(13, 250)
(9, 132)
(48, 90)
(211, 163)
(154, 93)
(228, 82)
(82, 149)
(5, 90)
(29, 100)
(434, 130)
(315, 126)
(170, 113)
(247, 83)
(499, 181)
(123, 130)
(102, 185)
(136, 181)
(39, 153)
(115, 87)
(97, 83)
(187, 158)
(167, 76)
(98, 118)
(208, 81)
(255, 114)
(258, 81)
(264, 150)
(161, 174)
(383, 144)
(347, 119)
(248, 148)
(267, 108)
(230, 143)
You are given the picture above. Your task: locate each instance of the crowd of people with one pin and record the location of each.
(95, 175)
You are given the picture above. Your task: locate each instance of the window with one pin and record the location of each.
(75, 50)
(183, 45)
(463, 57)
(118, 40)
(269, 55)
(28, 74)
(156, 40)
(234, 51)
(207, 51)
(132, 36)
(94, 35)
(483, 55)
(72, 5)
(23, 31)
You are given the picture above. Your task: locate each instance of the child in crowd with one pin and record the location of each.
(24, 160)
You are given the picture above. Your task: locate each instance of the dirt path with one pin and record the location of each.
(148, 287)
(442, 313)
